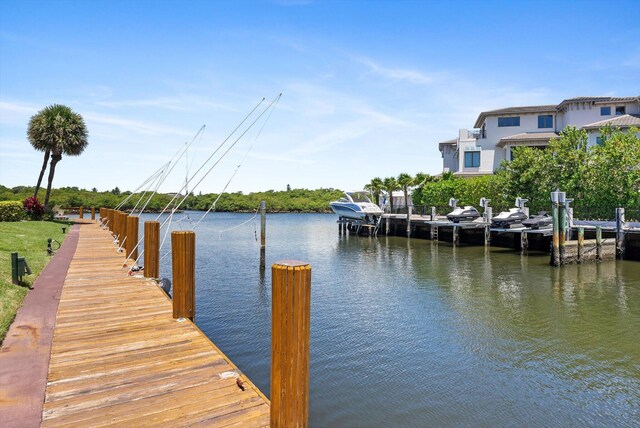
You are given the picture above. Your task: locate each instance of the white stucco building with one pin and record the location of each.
(480, 151)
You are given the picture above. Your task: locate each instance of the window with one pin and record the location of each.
(599, 141)
(605, 111)
(545, 121)
(472, 159)
(620, 110)
(509, 121)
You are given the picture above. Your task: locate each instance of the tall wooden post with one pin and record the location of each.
(115, 221)
(620, 233)
(132, 237)
(81, 212)
(562, 219)
(580, 244)
(183, 249)
(409, 211)
(433, 214)
(263, 233)
(152, 249)
(110, 219)
(555, 249)
(456, 236)
(290, 328)
(598, 243)
(488, 215)
(93, 213)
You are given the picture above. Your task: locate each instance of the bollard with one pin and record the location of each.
(132, 241)
(598, 243)
(290, 327)
(433, 214)
(93, 213)
(409, 212)
(580, 244)
(81, 212)
(183, 249)
(152, 249)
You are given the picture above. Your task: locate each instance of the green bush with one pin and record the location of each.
(11, 211)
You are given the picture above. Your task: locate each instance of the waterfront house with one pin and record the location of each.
(481, 150)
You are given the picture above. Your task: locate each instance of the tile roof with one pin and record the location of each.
(551, 107)
(623, 121)
(448, 142)
(527, 137)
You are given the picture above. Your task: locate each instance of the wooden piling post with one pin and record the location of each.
(290, 328)
(263, 233)
(115, 222)
(123, 229)
(433, 214)
(488, 215)
(598, 243)
(409, 211)
(387, 224)
(524, 241)
(110, 219)
(183, 249)
(132, 241)
(620, 233)
(580, 244)
(93, 213)
(152, 249)
(555, 249)
(562, 219)
(81, 212)
(456, 236)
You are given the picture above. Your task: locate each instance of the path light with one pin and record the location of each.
(64, 230)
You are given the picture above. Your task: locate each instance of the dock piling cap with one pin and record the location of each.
(291, 263)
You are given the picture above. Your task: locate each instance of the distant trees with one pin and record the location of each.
(56, 130)
(390, 185)
(375, 186)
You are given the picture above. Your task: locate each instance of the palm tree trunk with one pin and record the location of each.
(44, 167)
(52, 170)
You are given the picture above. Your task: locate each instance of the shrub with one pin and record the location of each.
(11, 211)
(33, 208)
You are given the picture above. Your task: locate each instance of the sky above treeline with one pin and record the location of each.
(368, 88)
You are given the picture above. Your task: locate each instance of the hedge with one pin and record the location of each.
(11, 211)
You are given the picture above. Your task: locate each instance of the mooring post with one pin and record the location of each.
(290, 327)
(433, 214)
(580, 244)
(183, 249)
(562, 217)
(110, 219)
(488, 215)
(456, 236)
(598, 243)
(123, 228)
(387, 224)
(115, 221)
(620, 233)
(263, 233)
(524, 241)
(555, 248)
(152, 249)
(81, 212)
(409, 211)
(132, 237)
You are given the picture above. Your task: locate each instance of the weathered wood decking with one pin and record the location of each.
(119, 358)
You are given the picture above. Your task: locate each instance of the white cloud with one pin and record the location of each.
(400, 74)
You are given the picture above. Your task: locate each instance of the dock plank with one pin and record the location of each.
(118, 357)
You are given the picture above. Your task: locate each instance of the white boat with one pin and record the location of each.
(356, 206)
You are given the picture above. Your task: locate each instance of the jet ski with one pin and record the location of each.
(508, 218)
(459, 214)
(539, 221)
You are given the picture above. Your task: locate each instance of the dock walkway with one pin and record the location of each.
(119, 358)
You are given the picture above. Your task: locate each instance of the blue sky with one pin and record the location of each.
(369, 88)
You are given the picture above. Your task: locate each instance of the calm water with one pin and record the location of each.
(414, 333)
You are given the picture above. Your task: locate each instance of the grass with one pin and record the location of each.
(29, 239)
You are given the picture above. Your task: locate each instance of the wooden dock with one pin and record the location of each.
(120, 358)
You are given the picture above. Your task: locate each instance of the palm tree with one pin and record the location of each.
(375, 186)
(421, 178)
(404, 182)
(390, 185)
(56, 130)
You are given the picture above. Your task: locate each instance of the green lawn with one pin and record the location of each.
(29, 239)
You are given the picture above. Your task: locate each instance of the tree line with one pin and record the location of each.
(293, 200)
